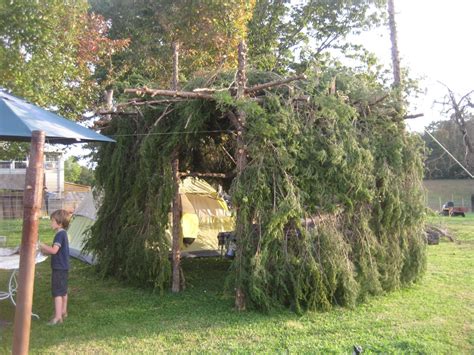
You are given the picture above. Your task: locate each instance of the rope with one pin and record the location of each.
(447, 151)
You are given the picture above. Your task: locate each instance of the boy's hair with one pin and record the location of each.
(61, 217)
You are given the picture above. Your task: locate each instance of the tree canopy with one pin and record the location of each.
(281, 36)
(50, 53)
(438, 163)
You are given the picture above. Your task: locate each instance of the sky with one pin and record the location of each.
(434, 41)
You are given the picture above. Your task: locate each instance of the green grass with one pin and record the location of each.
(434, 316)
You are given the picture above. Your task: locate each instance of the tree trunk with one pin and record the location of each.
(458, 116)
(393, 38)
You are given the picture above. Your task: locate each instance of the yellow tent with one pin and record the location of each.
(204, 215)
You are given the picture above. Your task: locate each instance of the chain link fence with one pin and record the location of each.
(438, 192)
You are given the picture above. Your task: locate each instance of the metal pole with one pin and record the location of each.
(31, 210)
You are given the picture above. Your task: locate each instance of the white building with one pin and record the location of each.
(13, 173)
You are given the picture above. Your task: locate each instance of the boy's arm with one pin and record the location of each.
(49, 250)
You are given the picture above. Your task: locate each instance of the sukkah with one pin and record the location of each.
(325, 179)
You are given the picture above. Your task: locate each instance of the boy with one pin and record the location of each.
(59, 252)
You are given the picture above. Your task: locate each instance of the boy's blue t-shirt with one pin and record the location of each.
(60, 260)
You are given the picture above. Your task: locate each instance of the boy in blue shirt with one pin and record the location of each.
(59, 252)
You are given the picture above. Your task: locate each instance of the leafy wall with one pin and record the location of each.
(330, 203)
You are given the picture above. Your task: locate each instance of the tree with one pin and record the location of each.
(50, 53)
(459, 110)
(454, 134)
(208, 33)
(397, 80)
(76, 173)
(283, 35)
(72, 170)
(438, 163)
(280, 36)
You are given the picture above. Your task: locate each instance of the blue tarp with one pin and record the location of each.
(19, 118)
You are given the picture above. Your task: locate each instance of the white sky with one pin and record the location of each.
(435, 44)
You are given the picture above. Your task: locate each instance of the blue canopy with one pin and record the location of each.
(19, 118)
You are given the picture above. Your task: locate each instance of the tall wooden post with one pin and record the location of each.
(31, 210)
(241, 159)
(176, 257)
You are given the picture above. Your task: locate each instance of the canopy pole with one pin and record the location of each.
(31, 208)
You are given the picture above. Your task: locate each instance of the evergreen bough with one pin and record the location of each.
(330, 208)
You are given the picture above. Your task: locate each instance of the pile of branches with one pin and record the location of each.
(342, 160)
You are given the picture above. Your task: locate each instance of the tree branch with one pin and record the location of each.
(272, 84)
(407, 117)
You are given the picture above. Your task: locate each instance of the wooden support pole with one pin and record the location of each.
(176, 252)
(211, 175)
(241, 161)
(176, 285)
(31, 210)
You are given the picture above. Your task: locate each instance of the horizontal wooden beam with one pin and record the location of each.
(204, 93)
(172, 93)
(214, 175)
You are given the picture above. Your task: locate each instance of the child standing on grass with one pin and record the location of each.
(59, 252)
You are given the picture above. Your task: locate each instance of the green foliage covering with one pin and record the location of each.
(329, 206)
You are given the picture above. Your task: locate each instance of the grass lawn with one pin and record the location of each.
(434, 316)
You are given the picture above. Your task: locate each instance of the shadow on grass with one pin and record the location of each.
(102, 311)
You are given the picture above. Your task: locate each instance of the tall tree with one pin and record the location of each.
(208, 33)
(286, 36)
(397, 80)
(459, 110)
(438, 163)
(50, 50)
(50, 53)
(281, 36)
